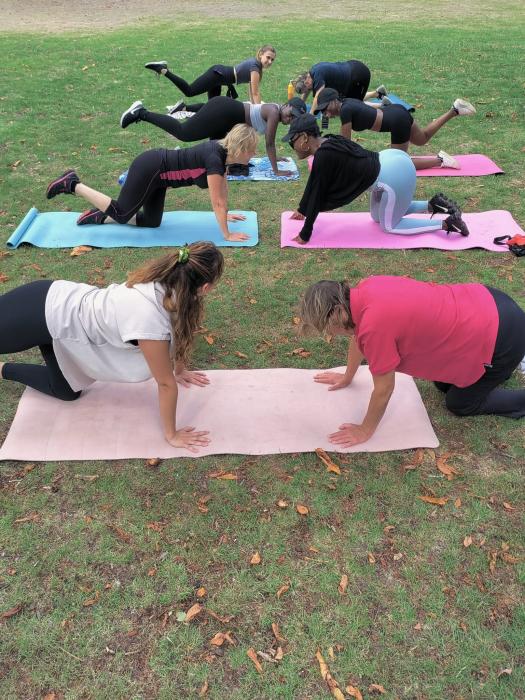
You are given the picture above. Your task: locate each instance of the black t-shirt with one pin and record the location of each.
(360, 115)
(334, 75)
(341, 171)
(191, 166)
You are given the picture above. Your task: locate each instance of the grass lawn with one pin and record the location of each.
(99, 560)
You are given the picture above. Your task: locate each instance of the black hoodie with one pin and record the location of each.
(341, 171)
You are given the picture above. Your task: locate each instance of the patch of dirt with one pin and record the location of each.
(71, 15)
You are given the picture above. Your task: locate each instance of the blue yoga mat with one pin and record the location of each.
(395, 100)
(59, 230)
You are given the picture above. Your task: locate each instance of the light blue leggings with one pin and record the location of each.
(391, 196)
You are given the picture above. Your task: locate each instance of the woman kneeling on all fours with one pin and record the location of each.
(141, 199)
(342, 170)
(467, 338)
(121, 333)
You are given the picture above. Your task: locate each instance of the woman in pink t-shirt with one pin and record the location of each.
(467, 338)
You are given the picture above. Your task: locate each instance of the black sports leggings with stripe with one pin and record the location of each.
(210, 82)
(213, 120)
(22, 327)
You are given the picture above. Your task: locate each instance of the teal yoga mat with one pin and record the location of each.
(59, 230)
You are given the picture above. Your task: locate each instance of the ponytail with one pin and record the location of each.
(324, 305)
(182, 274)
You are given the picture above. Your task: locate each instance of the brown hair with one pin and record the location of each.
(324, 305)
(264, 49)
(181, 280)
(299, 83)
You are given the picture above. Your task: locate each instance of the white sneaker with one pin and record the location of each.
(463, 108)
(177, 107)
(448, 161)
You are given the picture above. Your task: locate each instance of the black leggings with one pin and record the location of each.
(143, 193)
(359, 80)
(212, 121)
(23, 326)
(211, 82)
(484, 397)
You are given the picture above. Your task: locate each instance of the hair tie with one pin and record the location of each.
(184, 254)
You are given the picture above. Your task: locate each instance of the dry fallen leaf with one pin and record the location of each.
(50, 696)
(279, 654)
(218, 639)
(457, 503)
(251, 654)
(120, 533)
(80, 250)
(333, 685)
(282, 590)
(446, 469)
(415, 462)
(508, 506)
(302, 510)
(509, 558)
(92, 601)
(434, 501)
(241, 355)
(354, 692)
(221, 618)
(209, 339)
(193, 612)
(467, 541)
(343, 584)
(282, 503)
(493, 557)
(371, 558)
(301, 352)
(227, 476)
(376, 688)
(331, 466)
(204, 689)
(277, 633)
(256, 559)
(32, 518)
(505, 672)
(12, 612)
(153, 462)
(201, 592)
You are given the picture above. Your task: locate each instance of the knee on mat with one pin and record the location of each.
(148, 221)
(114, 212)
(66, 394)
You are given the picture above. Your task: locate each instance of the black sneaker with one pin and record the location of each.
(440, 204)
(179, 106)
(91, 216)
(131, 115)
(455, 224)
(65, 184)
(156, 66)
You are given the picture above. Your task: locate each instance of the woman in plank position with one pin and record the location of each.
(342, 170)
(467, 338)
(122, 333)
(141, 199)
(249, 71)
(394, 119)
(216, 117)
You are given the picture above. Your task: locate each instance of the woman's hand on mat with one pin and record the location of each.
(297, 215)
(337, 380)
(187, 378)
(190, 439)
(235, 217)
(239, 236)
(350, 434)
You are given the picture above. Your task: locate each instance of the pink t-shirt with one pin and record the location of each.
(442, 332)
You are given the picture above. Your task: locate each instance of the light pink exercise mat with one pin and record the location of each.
(359, 230)
(472, 165)
(255, 412)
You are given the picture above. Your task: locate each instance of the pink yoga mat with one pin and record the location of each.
(472, 165)
(358, 230)
(253, 412)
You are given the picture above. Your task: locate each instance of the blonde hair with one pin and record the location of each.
(182, 274)
(326, 305)
(241, 139)
(264, 49)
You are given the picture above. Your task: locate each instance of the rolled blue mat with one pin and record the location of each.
(60, 230)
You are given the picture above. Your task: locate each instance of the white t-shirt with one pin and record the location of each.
(91, 329)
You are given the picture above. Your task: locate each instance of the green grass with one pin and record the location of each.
(436, 623)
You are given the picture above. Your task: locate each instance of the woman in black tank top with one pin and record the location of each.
(211, 81)
(358, 116)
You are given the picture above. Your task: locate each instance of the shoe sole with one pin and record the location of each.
(55, 183)
(152, 65)
(129, 111)
(464, 108)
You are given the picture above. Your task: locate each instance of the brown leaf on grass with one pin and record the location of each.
(277, 632)
(252, 655)
(279, 654)
(151, 572)
(376, 688)
(12, 611)
(343, 584)
(302, 510)
(120, 533)
(153, 462)
(282, 503)
(296, 321)
(256, 559)
(504, 672)
(354, 692)
(241, 355)
(201, 592)
(218, 639)
(227, 476)
(92, 601)
(209, 339)
(332, 684)
(15, 164)
(87, 477)
(467, 541)
(50, 696)
(31, 518)
(225, 619)
(193, 612)
(371, 558)
(156, 526)
(493, 558)
(416, 461)
(282, 590)
(80, 250)
(389, 528)
(204, 689)
(331, 466)
(508, 506)
(509, 558)
(448, 470)
(434, 501)
(301, 352)
(457, 503)
(3, 278)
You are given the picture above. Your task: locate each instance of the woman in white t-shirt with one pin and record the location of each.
(120, 333)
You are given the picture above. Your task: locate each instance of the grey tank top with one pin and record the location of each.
(258, 123)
